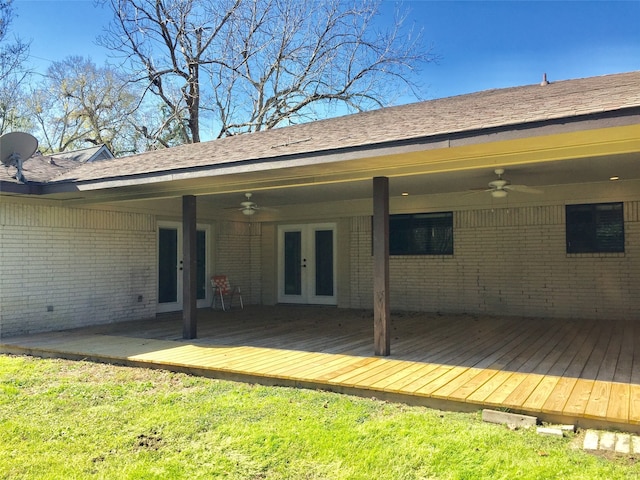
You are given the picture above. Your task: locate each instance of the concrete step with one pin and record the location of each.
(623, 443)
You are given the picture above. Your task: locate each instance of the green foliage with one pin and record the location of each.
(62, 419)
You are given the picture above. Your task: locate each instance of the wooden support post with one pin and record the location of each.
(381, 313)
(189, 295)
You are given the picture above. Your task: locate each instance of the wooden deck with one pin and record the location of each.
(581, 372)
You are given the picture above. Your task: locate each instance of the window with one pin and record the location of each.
(421, 234)
(595, 228)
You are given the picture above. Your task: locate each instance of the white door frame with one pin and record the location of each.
(177, 305)
(308, 267)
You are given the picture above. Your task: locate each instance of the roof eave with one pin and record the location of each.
(621, 117)
(14, 188)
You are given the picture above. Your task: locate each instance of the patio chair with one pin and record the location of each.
(221, 289)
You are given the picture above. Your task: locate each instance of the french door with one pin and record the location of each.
(307, 264)
(170, 265)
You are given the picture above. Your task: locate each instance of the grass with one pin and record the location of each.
(73, 420)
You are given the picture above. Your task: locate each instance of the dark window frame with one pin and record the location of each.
(421, 234)
(595, 228)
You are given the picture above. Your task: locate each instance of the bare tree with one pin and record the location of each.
(168, 42)
(12, 75)
(13, 115)
(248, 65)
(80, 105)
(12, 54)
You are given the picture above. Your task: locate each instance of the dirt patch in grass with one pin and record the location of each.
(149, 441)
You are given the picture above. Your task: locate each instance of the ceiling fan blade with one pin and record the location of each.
(522, 189)
(473, 191)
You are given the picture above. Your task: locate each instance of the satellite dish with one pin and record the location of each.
(15, 148)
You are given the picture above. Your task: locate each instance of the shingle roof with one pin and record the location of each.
(40, 169)
(465, 113)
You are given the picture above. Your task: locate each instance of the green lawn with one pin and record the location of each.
(62, 419)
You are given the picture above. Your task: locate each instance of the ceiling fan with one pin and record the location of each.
(500, 187)
(248, 207)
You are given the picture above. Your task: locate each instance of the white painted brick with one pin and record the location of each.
(508, 262)
(238, 255)
(49, 256)
(90, 265)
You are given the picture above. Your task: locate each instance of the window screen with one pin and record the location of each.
(595, 228)
(421, 234)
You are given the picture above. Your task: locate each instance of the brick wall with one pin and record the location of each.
(68, 267)
(64, 267)
(237, 256)
(509, 261)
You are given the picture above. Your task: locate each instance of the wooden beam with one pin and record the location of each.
(189, 296)
(381, 313)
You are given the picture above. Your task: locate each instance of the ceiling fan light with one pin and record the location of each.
(499, 193)
(248, 211)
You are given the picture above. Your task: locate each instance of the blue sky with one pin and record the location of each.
(482, 44)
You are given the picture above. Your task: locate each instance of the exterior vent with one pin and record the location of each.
(544, 80)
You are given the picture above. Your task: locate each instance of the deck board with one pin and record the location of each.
(360, 374)
(559, 396)
(587, 372)
(473, 384)
(431, 373)
(579, 398)
(625, 359)
(408, 382)
(634, 403)
(387, 382)
(575, 340)
(618, 406)
(499, 396)
(540, 394)
(635, 366)
(437, 382)
(583, 351)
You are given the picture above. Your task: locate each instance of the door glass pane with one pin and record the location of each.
(168, 266)
(201, 264)
(292, 263)
(324, 262)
